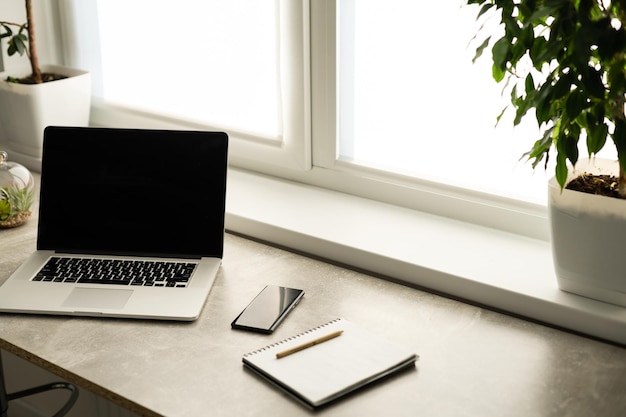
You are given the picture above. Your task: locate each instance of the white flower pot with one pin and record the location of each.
(25, 110)
(589, 238)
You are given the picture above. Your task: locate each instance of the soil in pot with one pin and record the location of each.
(605, 185)
(46, 77)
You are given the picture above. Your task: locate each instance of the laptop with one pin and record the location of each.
(126, 201)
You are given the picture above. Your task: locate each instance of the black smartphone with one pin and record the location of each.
(268, 309)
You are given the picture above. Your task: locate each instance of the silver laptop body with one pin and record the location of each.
(128, 196)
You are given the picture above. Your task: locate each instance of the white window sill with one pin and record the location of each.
(500, 270)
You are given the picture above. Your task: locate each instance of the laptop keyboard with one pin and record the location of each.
(116, 272)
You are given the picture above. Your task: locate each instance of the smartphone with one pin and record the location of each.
(268, 309)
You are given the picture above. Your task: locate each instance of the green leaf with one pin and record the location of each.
(500, 51)
(610, 40)
(517, 51)
(582, 121)
(596, 138)
(597, 112)
(500, 115)
(17, 44)
(575, 104)
(529, 84)
(523, 105)
(616, 76)
(8, 32)
(592, 83)
(570, 147)
(513, 29)
(5, 209)
(619, 138)
(541, 14)
(561, 169)
(536, 52)
(542, 113)
(497, 73)
(543, 103)
(483, 9)
(541, 147)
(481, 49)
(547, 51)
(563, 86)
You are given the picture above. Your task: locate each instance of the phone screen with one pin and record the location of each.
(268, 309)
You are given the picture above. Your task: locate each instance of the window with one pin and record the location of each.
(239, 66)
(378, 99)
(214, 62)
(412, 101)
(415, 103)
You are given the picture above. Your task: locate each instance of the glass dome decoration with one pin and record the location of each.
(17, 192)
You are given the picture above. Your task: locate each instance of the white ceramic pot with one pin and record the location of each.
(589, 238)
(25, 110)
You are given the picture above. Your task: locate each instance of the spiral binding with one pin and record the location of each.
(273, 345)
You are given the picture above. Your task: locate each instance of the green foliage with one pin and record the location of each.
(566, 60)
(15, 199)
(17, 42)
(5, 210)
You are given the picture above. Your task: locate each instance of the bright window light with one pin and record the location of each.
(412, 102)
(210, 61)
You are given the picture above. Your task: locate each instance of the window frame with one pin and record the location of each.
(503, 213)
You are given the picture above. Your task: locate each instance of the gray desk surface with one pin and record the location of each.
(473, 362)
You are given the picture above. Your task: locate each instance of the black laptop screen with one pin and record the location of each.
(139, 192)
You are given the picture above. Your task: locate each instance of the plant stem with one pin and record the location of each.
(2, 22)
(619, 115)
(34, 59)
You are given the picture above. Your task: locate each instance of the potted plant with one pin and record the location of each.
(565, 62)
(46, 95)
(17, 193)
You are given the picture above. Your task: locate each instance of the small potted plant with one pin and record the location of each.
(46, 95)
(564, 62)
(17, 193)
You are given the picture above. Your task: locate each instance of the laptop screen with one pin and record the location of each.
(133, 192)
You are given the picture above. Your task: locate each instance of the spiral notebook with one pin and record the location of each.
(324, 372)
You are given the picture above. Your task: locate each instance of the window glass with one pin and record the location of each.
(413, 102)
(210, 61)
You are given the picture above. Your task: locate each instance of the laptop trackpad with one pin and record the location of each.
(97, 298)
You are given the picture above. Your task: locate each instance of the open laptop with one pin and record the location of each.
(125, 200)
